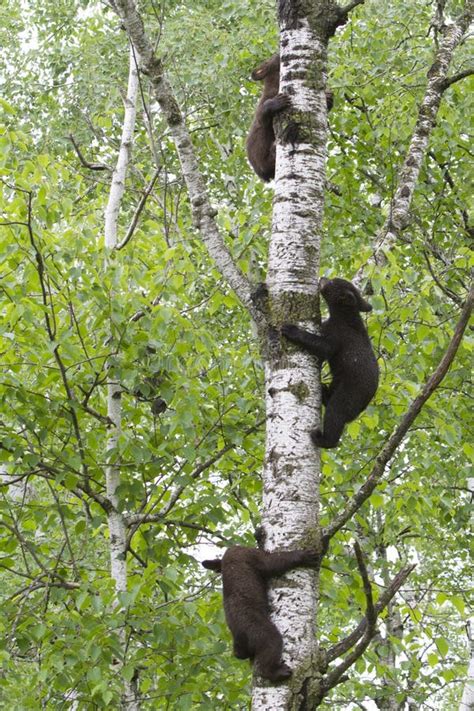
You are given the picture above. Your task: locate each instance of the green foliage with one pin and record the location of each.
(157, 317)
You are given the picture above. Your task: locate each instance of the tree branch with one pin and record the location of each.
(202, 211)
(50, 325)
(103, 501)
(370, 610)
(66, 585)
(345, 10)
(344, 645)
(365, 630)
(86, 163)
(139, 209)
(159, 518)
(437, 75)
(444, 166)
(138, 519)
(456, 77)
(413, 411)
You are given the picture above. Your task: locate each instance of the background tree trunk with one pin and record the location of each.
(117, 527)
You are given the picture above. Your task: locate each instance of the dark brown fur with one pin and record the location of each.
(245, 575)
(261, 149)
(345, 343)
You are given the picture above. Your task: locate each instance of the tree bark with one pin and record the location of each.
(117, 527)
(467, 701)
(292, 464)
(202, 210)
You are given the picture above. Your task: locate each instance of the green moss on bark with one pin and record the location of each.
(300, 390)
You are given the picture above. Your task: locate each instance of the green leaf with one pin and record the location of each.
(442, 645)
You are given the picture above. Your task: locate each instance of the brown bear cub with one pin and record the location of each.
(345, 343)
(261, 149)
(261, 139)
(245, 575)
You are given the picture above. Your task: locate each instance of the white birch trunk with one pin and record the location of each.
(292, 463)
(467, 701)
(120, 172)
(117, 527)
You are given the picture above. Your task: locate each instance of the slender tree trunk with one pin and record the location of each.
(117, 527)
(393, 628)
(467, 701)
(292, 463)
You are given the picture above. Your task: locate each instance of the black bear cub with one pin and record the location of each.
(343, 342)
(261, 139)
(245, 574)
(261, 149)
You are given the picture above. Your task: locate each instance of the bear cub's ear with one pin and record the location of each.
(215, 564)
(364, 305)
(349, 298)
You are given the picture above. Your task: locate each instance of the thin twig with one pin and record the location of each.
(86, 163)
(138, 211)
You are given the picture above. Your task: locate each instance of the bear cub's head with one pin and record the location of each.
(269, 71)
(340, 293)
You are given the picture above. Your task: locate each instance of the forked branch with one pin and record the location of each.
(84, 161)
(366, 629)
(348, 642)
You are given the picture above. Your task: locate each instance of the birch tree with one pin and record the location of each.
(117, 527)
(292, 471)
(150, 359)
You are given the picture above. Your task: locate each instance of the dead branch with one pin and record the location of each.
(84, 162)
